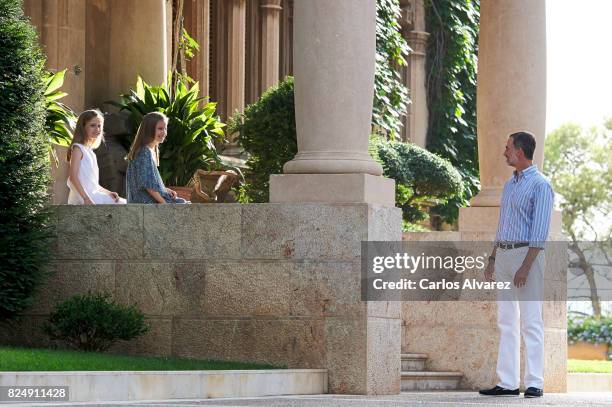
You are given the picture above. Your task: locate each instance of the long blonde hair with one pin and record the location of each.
(79, 131)
(146, 134)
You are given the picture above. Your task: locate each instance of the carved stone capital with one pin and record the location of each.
(417, 40)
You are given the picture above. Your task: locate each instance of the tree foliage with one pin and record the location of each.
(267, 133)
(578, 163)
(451, 92)
(24, 162)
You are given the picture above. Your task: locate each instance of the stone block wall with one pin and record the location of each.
(267, 283)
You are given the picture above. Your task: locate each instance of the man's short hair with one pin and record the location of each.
(525, 141)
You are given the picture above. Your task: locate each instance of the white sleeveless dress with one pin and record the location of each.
(89, 177)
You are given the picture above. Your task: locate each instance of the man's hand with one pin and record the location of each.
(489, 271)
(520, 278)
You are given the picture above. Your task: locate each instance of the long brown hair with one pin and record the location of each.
(146, 134)
(79, 131)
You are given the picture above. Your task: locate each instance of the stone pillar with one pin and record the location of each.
(61, 28)
(511, 86)
(512, 97)
(138, 44)
(334, 85)
(286, 39)
(414, 75)
(417, 117)
(197, 23)
(270, 43)
(236, 23)
(235, 51)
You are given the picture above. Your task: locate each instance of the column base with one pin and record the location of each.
(487, 197)
(484, 219)
(332, 188)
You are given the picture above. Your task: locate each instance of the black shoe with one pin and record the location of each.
(532, 392)
(499, 391)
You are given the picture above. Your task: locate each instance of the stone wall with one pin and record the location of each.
(463, 336)
(268, 283)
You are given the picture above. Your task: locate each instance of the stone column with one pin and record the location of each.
(512, 97)
(235, 49)
(286, 39)
(417, 115)
(334, 85)
(270, 43)
(138, 44)
(197, 23)
(414, 75)
(511, 86)
(61, 28)
(236, 23)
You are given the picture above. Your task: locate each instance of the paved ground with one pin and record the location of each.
(421, 399)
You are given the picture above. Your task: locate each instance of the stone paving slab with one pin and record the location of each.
(416, 399)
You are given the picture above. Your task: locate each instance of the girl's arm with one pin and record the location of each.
(73, 175)
(156, 195)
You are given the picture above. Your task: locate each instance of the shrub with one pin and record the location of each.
(267, 133)
(92, 322)
(421, 178)
(590, 329)
(193, 128)
(24, 162)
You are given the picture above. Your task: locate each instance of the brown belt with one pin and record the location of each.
(507, 246)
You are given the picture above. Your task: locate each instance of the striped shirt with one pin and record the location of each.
(526, 208)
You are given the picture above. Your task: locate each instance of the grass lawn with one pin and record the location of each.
(589, 366)
(29, 360)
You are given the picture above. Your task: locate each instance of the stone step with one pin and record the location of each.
(412, 362)
(430, 380)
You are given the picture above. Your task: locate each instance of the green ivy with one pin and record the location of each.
(451, 85)
(390, 95)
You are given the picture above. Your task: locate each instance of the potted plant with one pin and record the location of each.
(194, 129)
(589, 338)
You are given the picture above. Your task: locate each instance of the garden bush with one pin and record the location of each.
(590, 329)
(24, 162)
(267, 133)
(93, 322)
(421, 178)
(193, 129)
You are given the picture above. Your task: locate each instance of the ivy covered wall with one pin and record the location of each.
(451, 92)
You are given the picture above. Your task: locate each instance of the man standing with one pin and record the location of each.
(518, 257)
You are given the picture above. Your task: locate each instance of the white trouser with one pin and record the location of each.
(524, 304)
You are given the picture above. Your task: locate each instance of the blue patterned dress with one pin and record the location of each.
(142, 174)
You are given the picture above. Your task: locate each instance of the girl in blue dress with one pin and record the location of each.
(144, 184)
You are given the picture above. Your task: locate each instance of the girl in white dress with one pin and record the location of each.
(83, 178)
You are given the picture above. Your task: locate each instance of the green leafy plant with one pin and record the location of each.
(60, 118)
(25, 226)
(451, 92)
(590, 329)
(193, 129)
(422, 178)
(390, 94)
(267, 132)
(93, 322)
